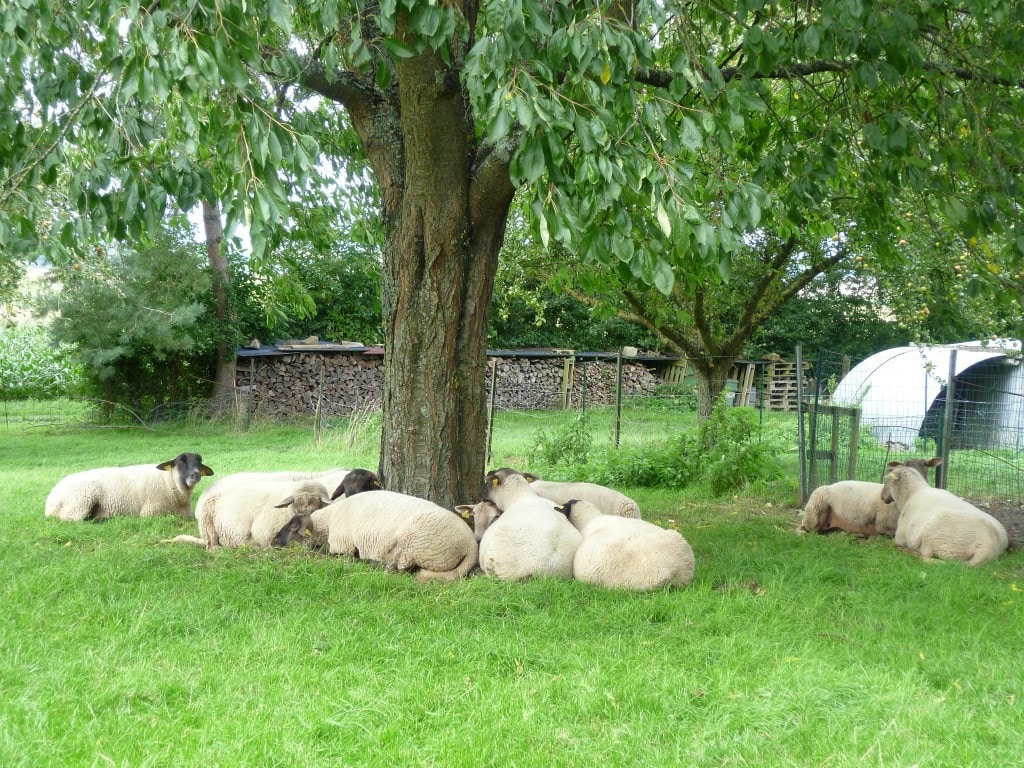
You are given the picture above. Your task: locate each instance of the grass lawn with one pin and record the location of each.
(119, 650)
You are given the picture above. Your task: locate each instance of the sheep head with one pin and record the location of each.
(358, 481)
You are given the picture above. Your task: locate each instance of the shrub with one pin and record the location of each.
(726, 452)
(33, 365)
(569, 444)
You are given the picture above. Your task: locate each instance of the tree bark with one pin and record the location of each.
(711, 380)
(222, 394)
(445, 206)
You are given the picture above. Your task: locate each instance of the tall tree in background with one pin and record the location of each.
(610, 114)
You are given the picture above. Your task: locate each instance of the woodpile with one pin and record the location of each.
(279, 386)
(289, 385)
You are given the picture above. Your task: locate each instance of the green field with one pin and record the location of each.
(120, 650)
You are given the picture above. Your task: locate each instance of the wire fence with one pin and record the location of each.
(963, 405)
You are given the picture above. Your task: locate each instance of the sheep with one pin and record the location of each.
(141, 489)
(357, 481)
(329, 477)
(936, 523)
(626, 553)
(856, 506)
(608, 501)
(251, 513)
(529, 537)
(403, 533)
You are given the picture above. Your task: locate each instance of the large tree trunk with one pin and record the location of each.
(223, 391)
(444, 221)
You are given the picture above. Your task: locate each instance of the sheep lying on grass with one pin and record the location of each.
(936, 523)
(251, 513)
(856, 506)
(403, 533)
(607, 500)
(626, 553)
(529, 537)
(141, 489)
(329, 477)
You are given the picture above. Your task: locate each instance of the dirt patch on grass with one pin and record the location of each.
(1010, 515)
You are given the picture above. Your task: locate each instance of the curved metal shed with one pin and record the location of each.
(902, 391)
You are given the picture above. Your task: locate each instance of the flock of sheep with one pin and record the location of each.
(929, 521)
(522, 527)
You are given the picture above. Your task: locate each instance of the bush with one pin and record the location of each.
(569, 444)
(727, 451)
(33, 365)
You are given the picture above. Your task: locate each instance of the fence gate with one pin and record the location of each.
(832, 433)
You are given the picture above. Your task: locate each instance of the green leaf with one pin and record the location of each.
(663, 220)
(664, 277)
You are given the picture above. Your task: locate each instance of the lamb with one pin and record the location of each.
(529, 537)
(141, 489)
(625, 553)
(936, 523)
(251, 513)
(404, 533)
(607, 500)
(856, 506)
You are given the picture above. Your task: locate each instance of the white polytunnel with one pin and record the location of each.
(902, 394)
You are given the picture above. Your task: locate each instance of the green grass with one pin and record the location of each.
(786, 651)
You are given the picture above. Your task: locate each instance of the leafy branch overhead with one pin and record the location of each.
(652, 137)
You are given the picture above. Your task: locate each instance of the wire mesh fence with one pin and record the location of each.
(965, 405)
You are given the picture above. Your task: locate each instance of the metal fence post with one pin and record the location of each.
(946, 435)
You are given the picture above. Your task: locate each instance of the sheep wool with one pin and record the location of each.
(607, 500)
(856, 506)
(529, 537)
(401, 532)
(935, 523)
(141, 489)
(235, 515)
(626, 553)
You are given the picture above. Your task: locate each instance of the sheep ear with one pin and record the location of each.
(891, 476)
(893, 464)
(495, 482)
(205, 471)
(285, 503)
(376, 484)
(325, 499)
(167, 466)
(530, 477)
(933, 462)
(465, 511)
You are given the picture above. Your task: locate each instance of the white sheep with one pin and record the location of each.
(252, 512)
(331, 478)
(856, 506)
(936, 523)
(402, 532)
(607, 500)
(529, 537)
(626, 553)
(140, 489)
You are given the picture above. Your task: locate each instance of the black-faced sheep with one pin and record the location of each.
(357, 481)
(401, 532)
(238, 514)
(936, 523)
(529, 537)
(626, 553)
(141, 489)
(856, 506)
